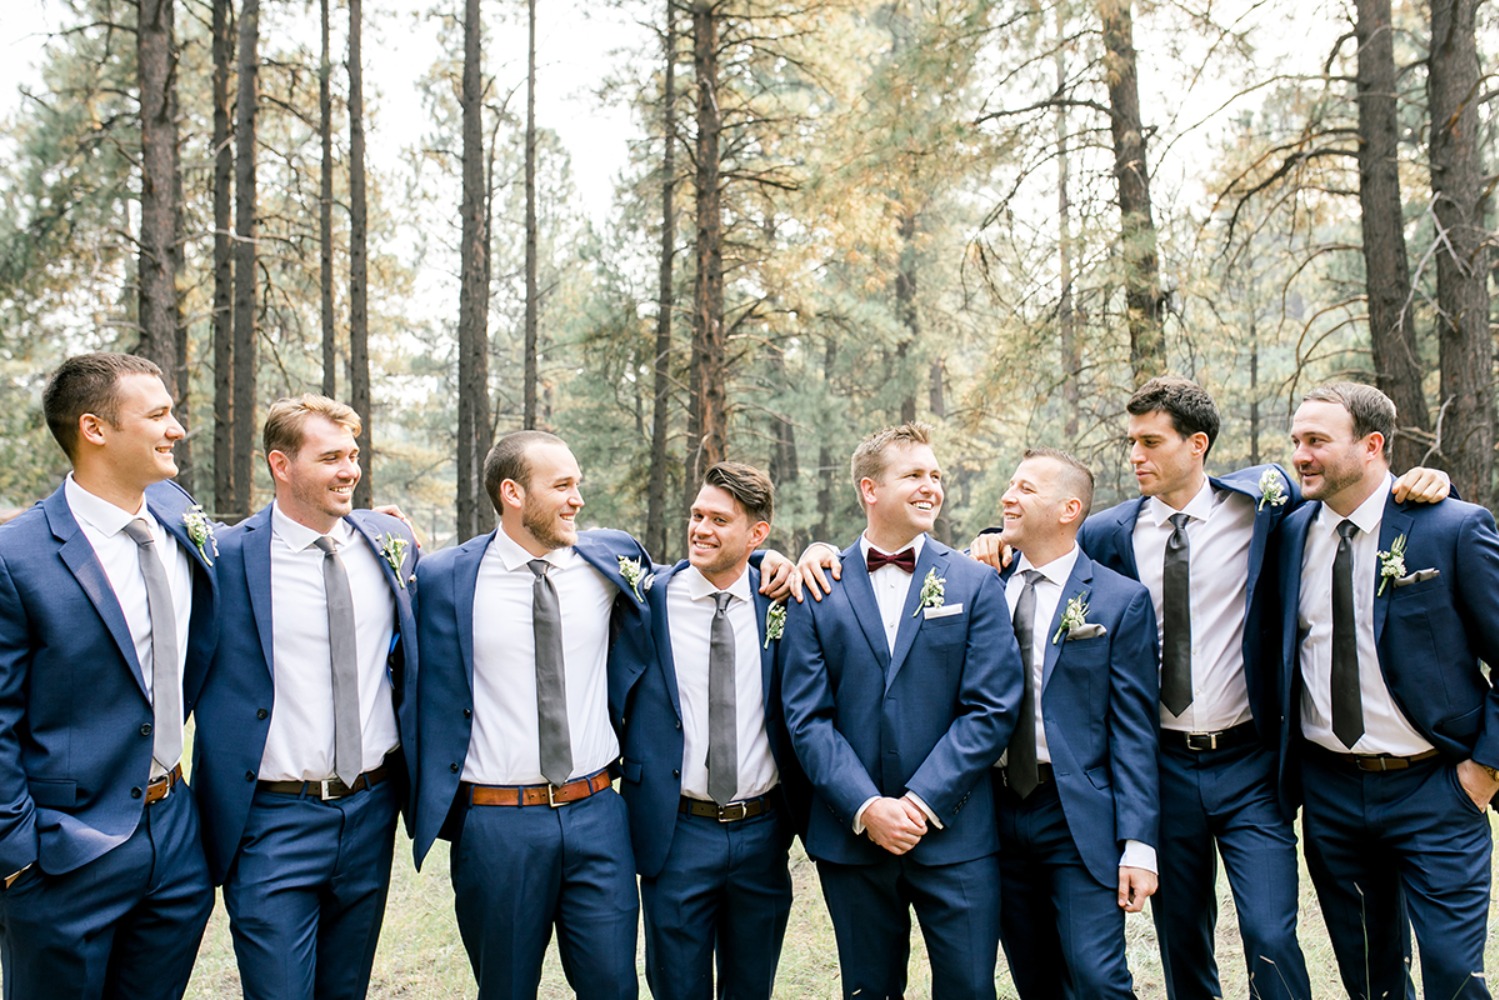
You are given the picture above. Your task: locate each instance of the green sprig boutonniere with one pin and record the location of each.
(633, 574)
(931, 592)
(393, 550)
(200, 529)
(1391, 564)
(775, 623)
(1074, 616)
(1272, 492)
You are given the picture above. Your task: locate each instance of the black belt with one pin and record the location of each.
(1371, 762)
(1044, 774)
(731, 813)
(1236, 736)
(329, 789)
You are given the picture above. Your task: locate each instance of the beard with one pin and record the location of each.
(542, 523)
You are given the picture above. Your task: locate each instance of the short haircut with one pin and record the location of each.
(750, 488)
(88, 383)
(1370, 409)
(507, 460)
(1191, 409)
(1076, 477)
(286, 420)
(869, 458)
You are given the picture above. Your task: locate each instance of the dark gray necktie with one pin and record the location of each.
(551, 686)
(1176, 614)
(723, 720)
(1023, 772)
(166, 690)
(1347, 699)
(348, 739)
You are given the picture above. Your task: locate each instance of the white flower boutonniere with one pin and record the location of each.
(1391, 564)
(931, 592)
(631, 571)
(775, 623)
(393, 550)
(200, 529)
(1075, 615)
(1271, 490)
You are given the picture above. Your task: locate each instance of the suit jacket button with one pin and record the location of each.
(249, 775)
(262, 714)
(679, 725)
(468, 713)
(453, 767)
(146, 729)
(676, 772)
(135, 793)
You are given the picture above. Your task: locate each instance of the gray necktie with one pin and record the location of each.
(723, 720)
(551, 686)
(1347, 698)
(348, 740)
(1023, 772)
(166, 690)
(1176, 614)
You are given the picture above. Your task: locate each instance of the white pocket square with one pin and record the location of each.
(1419, 576)
(945, 611)
(1092, 630)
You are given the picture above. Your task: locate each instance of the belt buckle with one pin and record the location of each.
(552, 796)
(733, 812)
(324, 792)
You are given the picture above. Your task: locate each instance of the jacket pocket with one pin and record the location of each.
(54, 794)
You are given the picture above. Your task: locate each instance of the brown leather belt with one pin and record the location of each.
(731, 813)
(1044, 774)
(535, 795)
(1235, 736)
(159, 788)
(1375, 762)
(332, 788)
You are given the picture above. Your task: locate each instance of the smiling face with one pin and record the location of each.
(905, 499)
(1333, 464)
(1040, 512)
(542, 515)
(134, 451)
(315, 485)
(721, 536)
(1167, 463)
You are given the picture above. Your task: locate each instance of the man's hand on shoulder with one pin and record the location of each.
(779, 578)
(897, 825)
(816, 558)
(988, 549)
(1422, 485)
(400, 515)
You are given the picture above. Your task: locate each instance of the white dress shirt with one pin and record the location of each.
(690, 607)
(891, 585)
(103, 524)
(1386, 729)
(299, 743)
(1219, 533)
(504, 747)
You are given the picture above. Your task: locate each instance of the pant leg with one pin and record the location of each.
(353, 906)
(1028, 917)
(682, 906)
(1185, 909)
(872, 926)
(752, 923)
(599, 906)
(958, 906)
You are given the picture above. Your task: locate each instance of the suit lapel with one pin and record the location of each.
(767, 650)
(1293, 548)
(257, 556)
(465, 579)
(931, 560)
(661, 635)
(1259, 538)
(1128, 515)
(1078, 582)
(1396, 522)
(866, 609)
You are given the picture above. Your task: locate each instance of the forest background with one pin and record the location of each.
(824, 215)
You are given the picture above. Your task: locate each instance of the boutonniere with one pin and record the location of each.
(393, 550)
(1272, 492)
(200, 529)
(931, 592)
(1074, 616)
(635, 576)
(1391, 564)
(775, 623)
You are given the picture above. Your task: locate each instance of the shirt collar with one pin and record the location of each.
(100, 514)
(513, 557)
(916, 545)
(1057, 571)
(1198, 508)
(296, 536)
(700, 589)
(1366, 515)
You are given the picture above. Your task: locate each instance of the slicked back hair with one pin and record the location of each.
(1370, 409)
(1077, 478)
(286, 420)
(750, 488)
(870, 458)
(88, 383)
(1188, 404)
(507, 460)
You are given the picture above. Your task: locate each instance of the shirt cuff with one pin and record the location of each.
(1138, 855)
(925, 808)
(859, 816)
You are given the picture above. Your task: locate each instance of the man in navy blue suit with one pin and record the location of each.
(1392, 723)
(1077, 792)
(105, 888)
(713, 787)
(901, 688)
(298, 766)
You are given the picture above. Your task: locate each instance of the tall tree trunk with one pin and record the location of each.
(1460, 196)
(1137, 240)
(157, 271)
(656, 536)
(1392, 333)
(325, 213)
(473, 293)
(244, 260)
(828, 475)
(707, 431)
(1254, 391)
(531, 374)
(905, 312)
(359, 325)
(1071, 359)
(223, 269)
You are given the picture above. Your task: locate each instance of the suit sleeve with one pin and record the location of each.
(807, 695)
(18, 836)
(1477, 589)
(988, 705)
(1133, 719)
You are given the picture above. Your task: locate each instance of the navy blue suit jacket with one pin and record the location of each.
(75, 718)
(235, 709)
(1108, 537)
(1100, 700)
(930, 719)
(647, 711)
(445, 630)
(1430, 635)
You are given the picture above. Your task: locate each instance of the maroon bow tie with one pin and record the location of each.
(905, 559)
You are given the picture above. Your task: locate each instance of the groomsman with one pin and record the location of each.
(298, 762)
(1392, 720)
(1077, 799)
(901, 689)
(105, 889)
(713, 787)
